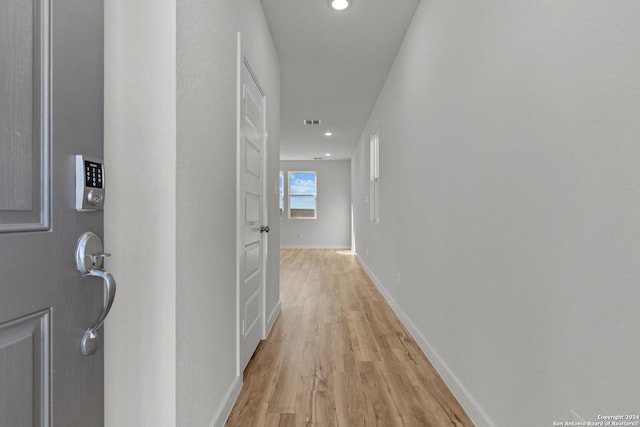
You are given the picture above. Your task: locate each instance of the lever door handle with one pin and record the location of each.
(89, 343)
(89, 259)
(264, 228)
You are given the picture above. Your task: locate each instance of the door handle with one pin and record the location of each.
(89, 343)
(89, 259)
(264, 228)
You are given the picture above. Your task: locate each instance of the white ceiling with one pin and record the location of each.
(333, 65)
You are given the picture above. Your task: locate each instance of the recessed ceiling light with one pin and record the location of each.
(328, 154)
(328, 134)
(340, 4)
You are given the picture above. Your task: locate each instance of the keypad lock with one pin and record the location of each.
(89, 184)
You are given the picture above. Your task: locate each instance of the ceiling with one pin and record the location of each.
(333, 65)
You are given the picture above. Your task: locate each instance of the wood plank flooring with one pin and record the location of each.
(338, 356)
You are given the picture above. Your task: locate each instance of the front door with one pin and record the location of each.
(51, 104)
(252, 219)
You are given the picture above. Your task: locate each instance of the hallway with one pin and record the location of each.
(338, 356)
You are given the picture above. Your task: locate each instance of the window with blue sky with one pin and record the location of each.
(302, 195)
(374, 178)
(281, 193)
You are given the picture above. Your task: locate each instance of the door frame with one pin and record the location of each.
(243, 61)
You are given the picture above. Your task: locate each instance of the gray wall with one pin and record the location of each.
(332, 228)
(508, 239)
(171, 71)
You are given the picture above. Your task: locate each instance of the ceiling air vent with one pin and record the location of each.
(317, 158)
(312, 122)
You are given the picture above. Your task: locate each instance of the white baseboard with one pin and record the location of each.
(227, 404)
(272, 318)
(234, 390)
(470, 405)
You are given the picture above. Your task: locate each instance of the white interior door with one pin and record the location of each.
(252, 227)
(51, 103)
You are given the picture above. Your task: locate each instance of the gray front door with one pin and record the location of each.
(51, 108)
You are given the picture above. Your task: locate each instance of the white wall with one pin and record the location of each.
(509, 203)
(171, 113)
(140, 214)
(206, 232)
(332, 228)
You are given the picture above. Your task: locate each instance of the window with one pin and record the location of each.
(374, 178)
(302, 195)
(281, 192)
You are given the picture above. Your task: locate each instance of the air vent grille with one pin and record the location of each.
(311, 122)
(317, 158)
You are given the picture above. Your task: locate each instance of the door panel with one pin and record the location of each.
(16, 105)
(252, 260)
(252, 212)
(24, 361)
(251, 314)
(252, 160)
(51, 108)
(251, 186)
(24, 79)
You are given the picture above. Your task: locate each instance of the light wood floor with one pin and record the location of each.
(338, 356)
